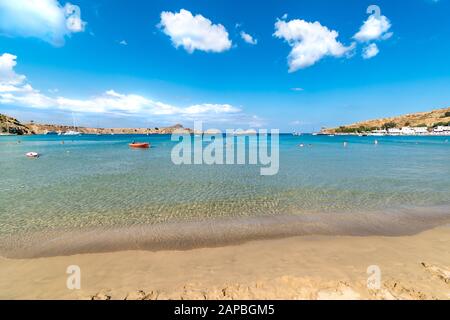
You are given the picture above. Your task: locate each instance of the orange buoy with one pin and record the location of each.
(140, 145)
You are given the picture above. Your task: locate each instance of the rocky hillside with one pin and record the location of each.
(421, 119)
(10, 125)
(44, 128)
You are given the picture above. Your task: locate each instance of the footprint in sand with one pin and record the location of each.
(102, 295)
(401, 292)
(440, 273)
(342, 292)
(136, 295)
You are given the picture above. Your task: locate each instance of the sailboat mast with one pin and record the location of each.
(73, 121)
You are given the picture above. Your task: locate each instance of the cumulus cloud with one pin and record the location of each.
(43, 19)
(310, 42)
(374, 28)
(248, 38)
(194, 32)
(8, 77)
(370, 51)
(15, 90)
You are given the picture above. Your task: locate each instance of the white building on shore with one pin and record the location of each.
(395, 131)
(442, 130)
(416, 130)
(404, 131)
(379, 132)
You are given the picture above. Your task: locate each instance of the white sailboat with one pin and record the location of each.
(72, 132)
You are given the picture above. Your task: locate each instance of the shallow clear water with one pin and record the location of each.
(99, 182)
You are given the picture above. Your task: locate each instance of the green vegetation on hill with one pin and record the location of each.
(442, 123)
(360, 129)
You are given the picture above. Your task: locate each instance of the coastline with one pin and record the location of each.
(12, 126)
(218, 232)
(302, 267)
(290, 254)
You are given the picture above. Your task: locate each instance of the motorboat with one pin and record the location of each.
(139, 145)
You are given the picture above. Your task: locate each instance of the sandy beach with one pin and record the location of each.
(304, 267)
(198, 151)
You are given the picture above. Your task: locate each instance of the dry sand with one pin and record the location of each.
(307, 267)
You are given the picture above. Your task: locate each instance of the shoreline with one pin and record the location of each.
(141, 133)
(305, 267)
(211, 233)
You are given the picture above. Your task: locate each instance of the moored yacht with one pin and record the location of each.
(71, 133)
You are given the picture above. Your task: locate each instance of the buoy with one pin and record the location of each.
(376, 141)
(345, 144)
(32, 155)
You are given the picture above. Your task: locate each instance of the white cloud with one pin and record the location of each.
(15, 90)
(44, 19)
(248, 38)
(310, 42)
(194, 32)
(123, 42)
(297, 89)
(374, 28)
(112, 102)
(8, 76)
(210, 108)
(370, 51)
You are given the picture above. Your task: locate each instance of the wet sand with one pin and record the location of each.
(301, 267)
(209, 233)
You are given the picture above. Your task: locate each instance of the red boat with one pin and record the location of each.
(140, 145)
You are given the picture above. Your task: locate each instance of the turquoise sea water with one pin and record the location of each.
(98, 182)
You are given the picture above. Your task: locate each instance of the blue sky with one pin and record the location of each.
(302, 64)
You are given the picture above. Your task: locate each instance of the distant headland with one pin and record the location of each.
(431, 122)
(9, 125)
